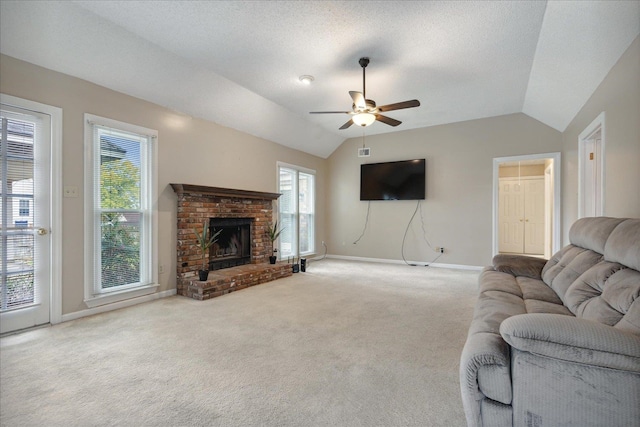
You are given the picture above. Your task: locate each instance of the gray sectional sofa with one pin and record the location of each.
(557, 342)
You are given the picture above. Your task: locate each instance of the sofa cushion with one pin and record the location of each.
(592, 233)
(566, 266)
(537, 290)
(519, 265)
(605, 291)
(623, 246)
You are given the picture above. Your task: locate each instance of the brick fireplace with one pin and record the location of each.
(241, 256)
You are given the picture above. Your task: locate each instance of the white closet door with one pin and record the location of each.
(521, 215)
(511, 216)
(534, 216)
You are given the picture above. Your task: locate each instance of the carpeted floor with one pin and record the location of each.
(344, 344)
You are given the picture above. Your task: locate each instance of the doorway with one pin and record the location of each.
(591, 144)
(29, 265)
(526, 204)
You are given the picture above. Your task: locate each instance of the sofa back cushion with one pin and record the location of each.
(601, 286)
(566, 266)
(623, 245)
(593, 232)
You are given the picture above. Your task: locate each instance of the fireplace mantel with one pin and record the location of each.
(223, 192)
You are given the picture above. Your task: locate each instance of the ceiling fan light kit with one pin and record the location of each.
(364, 111)
(364, 119)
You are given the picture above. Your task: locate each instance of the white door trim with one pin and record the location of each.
(55, 300)
(598, 124)
(556, 157)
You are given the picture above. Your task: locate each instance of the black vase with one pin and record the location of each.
(203, 275)
(272, 259)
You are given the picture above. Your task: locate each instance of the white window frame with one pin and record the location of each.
(94, 295)
(298, 170)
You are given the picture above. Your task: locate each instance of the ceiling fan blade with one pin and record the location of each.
(400, 105)
(387, 120)
(346, 125)
(358, 99)
(331, 112)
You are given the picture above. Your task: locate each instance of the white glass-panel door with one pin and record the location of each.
(25, 162)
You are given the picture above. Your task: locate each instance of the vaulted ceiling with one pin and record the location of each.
(238, 63)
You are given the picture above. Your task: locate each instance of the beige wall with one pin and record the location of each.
(457, 211)
(189, 151)
(619, 97)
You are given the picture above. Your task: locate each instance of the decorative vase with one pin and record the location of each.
(272, 259)
(295, 268)
(203, 275)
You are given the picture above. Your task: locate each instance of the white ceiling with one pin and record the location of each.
(237, 63)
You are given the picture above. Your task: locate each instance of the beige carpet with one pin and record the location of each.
(344, 344)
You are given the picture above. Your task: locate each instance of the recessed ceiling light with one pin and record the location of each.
(306, 79)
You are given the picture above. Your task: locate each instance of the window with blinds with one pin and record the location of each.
(120, 205)
(296, 210)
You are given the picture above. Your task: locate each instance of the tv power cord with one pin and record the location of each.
(424, 235)
(366, 221)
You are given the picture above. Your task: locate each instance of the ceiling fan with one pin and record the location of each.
(364, 111)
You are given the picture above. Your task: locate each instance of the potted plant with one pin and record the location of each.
(204, 242)
(273, 233)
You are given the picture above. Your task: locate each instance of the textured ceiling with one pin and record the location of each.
(237, 63)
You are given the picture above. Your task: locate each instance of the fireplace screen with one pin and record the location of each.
(234, 242)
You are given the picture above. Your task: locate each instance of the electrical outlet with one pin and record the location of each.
(439, 249)
(161, 269)
(70, 191)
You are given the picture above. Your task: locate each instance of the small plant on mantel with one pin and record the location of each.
(273, 233)
(204, 242)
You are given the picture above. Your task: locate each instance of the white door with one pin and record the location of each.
(592, 176)
(521, 217)
(510, 217)
(534, 216)
(25, 164)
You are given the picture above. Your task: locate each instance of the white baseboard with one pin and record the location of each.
(399, 261)
(117, 305)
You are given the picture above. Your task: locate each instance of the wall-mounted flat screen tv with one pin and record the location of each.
(404, 180)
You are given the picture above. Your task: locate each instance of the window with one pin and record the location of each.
(23, 209)
(296, 210)
(121, 220)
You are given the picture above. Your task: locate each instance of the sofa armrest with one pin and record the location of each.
(519, 265)
(573, 339)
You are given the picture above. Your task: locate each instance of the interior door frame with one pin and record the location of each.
(55, 281)
(557, 185)
(598, 124)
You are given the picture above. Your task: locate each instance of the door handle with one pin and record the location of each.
(41, 231)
